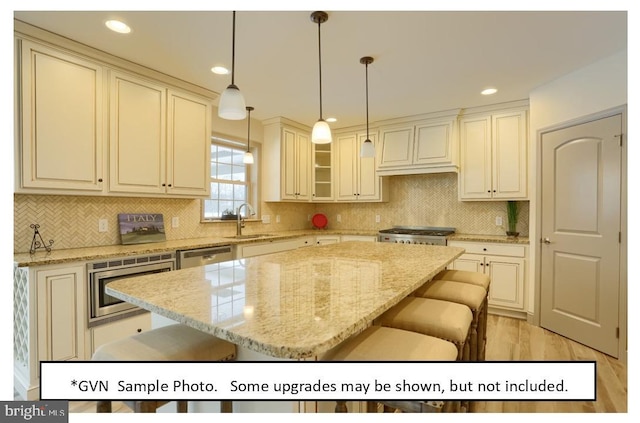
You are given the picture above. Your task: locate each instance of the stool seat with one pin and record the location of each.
(458, 292)
(377, 343)
(474, 278)
(169, 343)
(442, 319)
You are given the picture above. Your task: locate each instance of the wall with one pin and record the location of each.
(592, 89)
(416, 200)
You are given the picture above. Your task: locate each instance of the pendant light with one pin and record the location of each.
(321, 133)
(248, 157)
(367, 149)
(232, 105)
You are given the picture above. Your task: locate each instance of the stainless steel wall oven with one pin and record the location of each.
(104, 308)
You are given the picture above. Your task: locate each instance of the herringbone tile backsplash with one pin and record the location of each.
(431, 200)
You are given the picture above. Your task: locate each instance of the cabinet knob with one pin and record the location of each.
(494, 190)
(489, 191)
(484, 249)
(164, 185)
(139, 330)
(169, 184)
(100, 180)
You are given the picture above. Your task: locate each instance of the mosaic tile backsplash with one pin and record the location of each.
(416, 200)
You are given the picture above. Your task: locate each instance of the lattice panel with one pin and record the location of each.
(21, 315)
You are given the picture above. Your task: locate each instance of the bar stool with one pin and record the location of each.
(378, 343)
(473, 278)
(169, 343)
(442, 319)
(470, 295)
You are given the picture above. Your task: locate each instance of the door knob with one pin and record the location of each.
(547, 241)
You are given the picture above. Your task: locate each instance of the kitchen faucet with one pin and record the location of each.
(240, 224)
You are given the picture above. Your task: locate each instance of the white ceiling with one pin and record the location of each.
(424, 61)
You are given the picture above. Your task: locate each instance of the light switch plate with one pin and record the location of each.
(498, 220)
(175, 222)
(339, 218)
(277, 218)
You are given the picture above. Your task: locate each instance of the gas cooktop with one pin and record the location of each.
(419, 231)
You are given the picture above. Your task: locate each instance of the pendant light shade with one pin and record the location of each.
(232, 105)
(367, 149)
(248, 157)
(321, 133)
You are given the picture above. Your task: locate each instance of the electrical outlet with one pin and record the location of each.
(498, 220)
(308, 218)
(339, 218)
(266, 218)
(377, 218)
(103, 225)
(175, 222)
(277, 218)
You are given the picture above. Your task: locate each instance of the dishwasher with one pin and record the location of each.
(203, 256)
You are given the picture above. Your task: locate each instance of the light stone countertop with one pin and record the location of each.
(503, 239)
(294, 304)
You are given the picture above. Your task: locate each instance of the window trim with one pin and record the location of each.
(252, 174)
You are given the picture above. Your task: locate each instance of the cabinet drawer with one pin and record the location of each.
(490, 248)
(120, 329)
(251, 250)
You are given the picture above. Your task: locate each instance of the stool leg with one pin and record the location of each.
(182, 406)
(103, 407)
(145, 406)
(372, 407)
(473, 347)
(341, 407)
(226, 406)
(388, 409)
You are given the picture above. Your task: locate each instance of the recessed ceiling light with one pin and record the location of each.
(488, 91)
(220, 70)
(118, 26)
(332, 120)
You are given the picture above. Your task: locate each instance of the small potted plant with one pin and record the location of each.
(228, 214)
(512, 218)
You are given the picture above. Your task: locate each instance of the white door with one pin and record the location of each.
(580, 255)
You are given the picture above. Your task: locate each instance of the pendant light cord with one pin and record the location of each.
(248, 127)
(366, 78)
(233, 48)
(320, 67)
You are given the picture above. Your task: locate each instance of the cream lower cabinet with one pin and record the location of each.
(493, 156)
(119, 329)
(327, 239)
(356, 178)
(287, 161)
(49, 321)
(62, 121)
(159, 139)
(505, 265)
(260, 248)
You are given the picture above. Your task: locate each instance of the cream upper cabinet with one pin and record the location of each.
(426, 146)
(61, 120)
(188, 145)
(287, 161)
(159, 139)
(493, 156)
(356, 178)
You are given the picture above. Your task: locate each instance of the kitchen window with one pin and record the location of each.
(232, 181)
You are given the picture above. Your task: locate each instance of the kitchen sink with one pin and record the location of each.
(250, 236)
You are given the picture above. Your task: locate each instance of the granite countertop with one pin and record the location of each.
(294, 304)
(489, 238)
(41, 258)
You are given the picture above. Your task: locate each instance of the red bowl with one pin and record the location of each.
(319, 221)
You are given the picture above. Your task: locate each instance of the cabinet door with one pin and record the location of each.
(137, 139)
(322, 172)
(188, 145)
(509, 155)
(346, 168)
(62, 120)
(507, 282)
(327, 239)
(433, 144)
(289, 179)
(61, 313)
(303, 171)
(119, 329)
(469, 262)
(475, 158)
(396, 145)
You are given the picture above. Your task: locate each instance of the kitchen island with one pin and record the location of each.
(290, 305)
(295, 304)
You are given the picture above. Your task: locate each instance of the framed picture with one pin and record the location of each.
(140, 228)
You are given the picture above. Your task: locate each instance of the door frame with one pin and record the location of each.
(535, 238)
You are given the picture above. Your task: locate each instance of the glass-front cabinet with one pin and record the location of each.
(322, 173)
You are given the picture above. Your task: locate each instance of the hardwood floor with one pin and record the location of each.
(512, 339)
